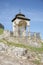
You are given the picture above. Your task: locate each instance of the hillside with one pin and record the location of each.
(19, 54)
(13, 53)
(1, 31)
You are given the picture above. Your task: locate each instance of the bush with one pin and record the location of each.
(1, 26)
(1, 29)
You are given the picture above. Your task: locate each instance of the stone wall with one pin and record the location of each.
(33, 39)
(31, 36)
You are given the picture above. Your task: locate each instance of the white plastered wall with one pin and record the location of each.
(28, 23)
(17, 22)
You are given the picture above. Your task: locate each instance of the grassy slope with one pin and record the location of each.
(23, 46)
(33, 49)
(1, 31)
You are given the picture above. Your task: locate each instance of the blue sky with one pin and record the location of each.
(33, 9)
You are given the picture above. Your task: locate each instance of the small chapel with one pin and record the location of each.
(20, 23)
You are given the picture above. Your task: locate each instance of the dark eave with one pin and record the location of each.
(20, 15)
(21, 18)
(13, 19)
(24, 18)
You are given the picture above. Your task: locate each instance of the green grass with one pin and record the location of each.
(1, 31)
(23, 46)
(36, 62)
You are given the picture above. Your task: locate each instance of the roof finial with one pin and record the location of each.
(20, 11)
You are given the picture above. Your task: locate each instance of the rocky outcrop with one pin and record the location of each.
(17, 51)
(11, 55)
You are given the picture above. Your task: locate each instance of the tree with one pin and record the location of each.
(1, 29)
(1, 26)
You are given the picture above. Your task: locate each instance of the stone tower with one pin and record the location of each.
(20, 22)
